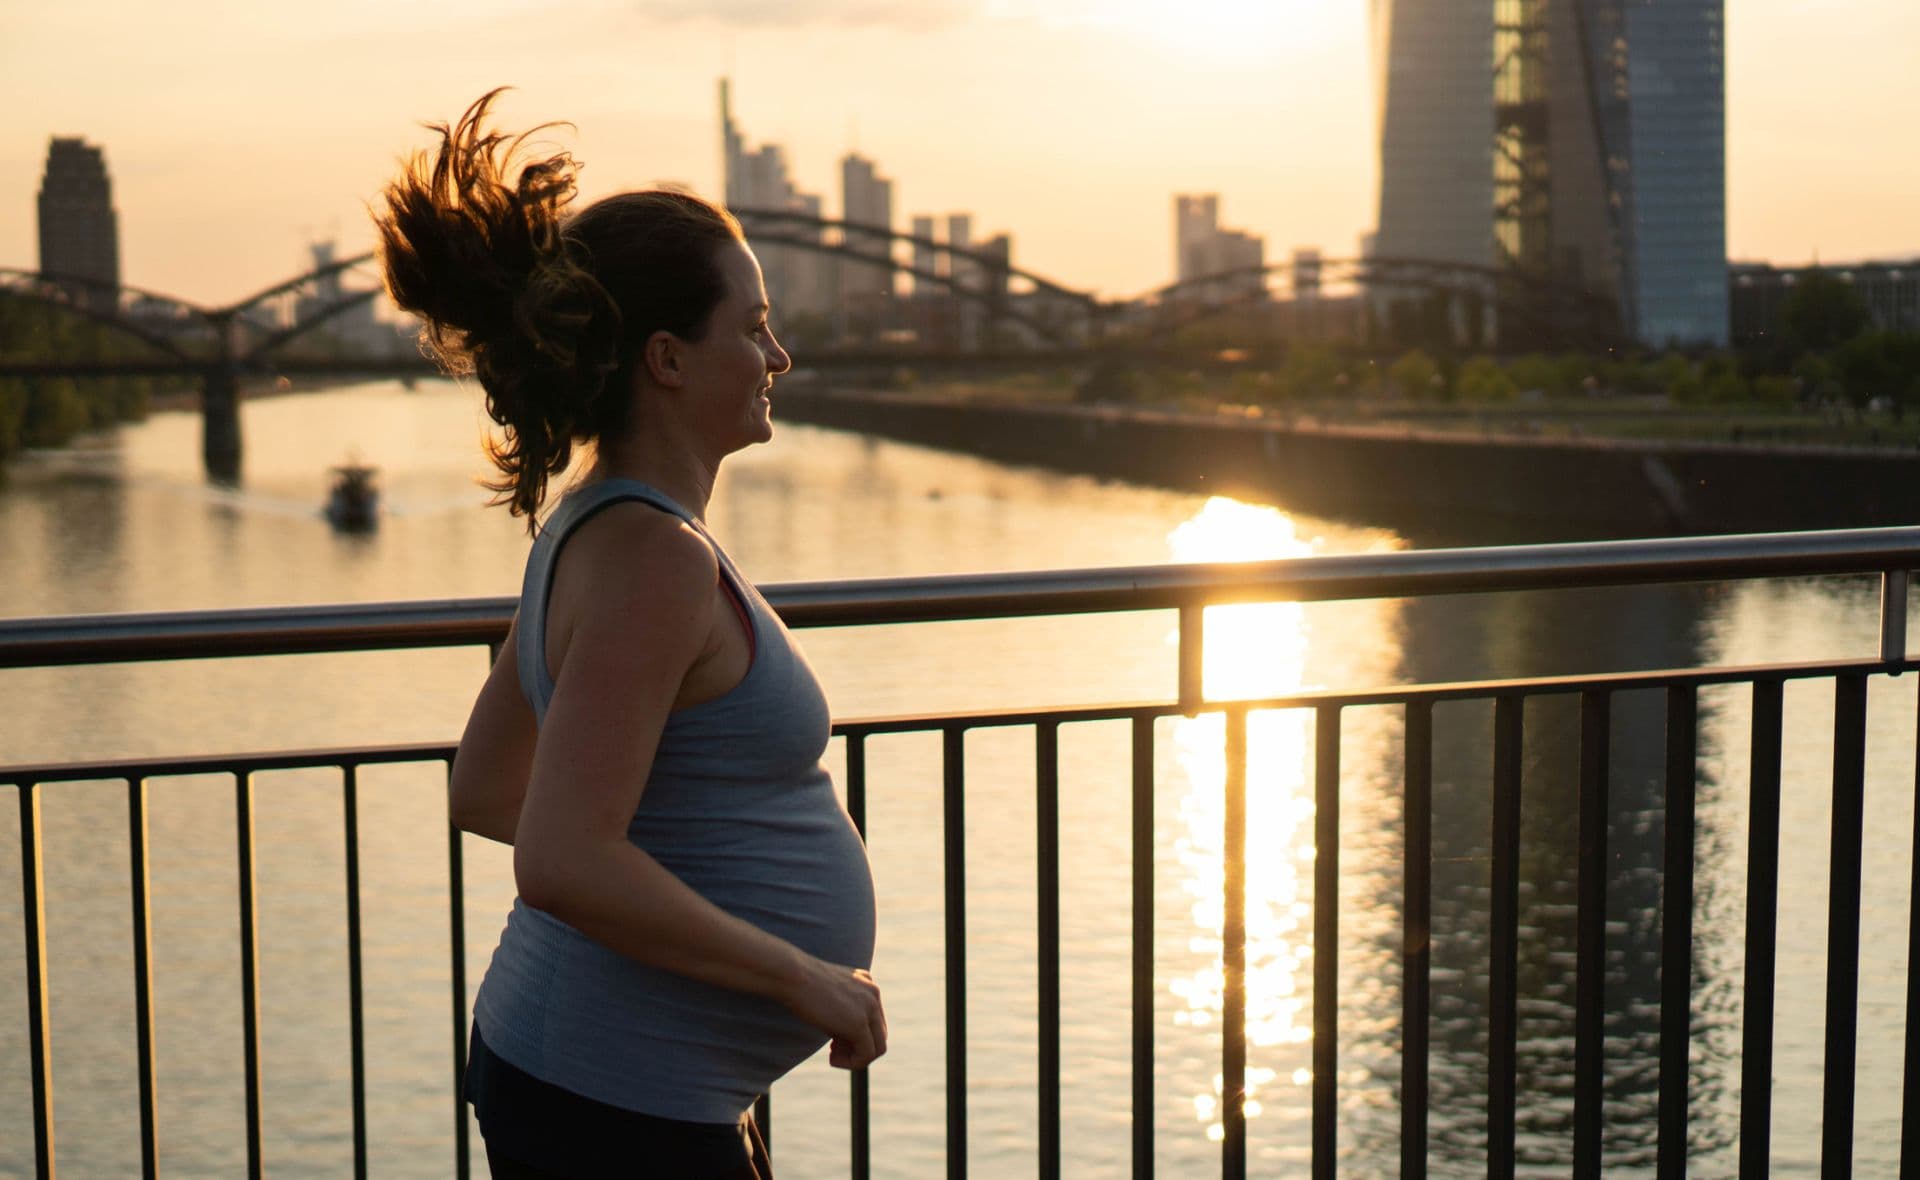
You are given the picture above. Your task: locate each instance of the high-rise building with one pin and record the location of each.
(79, 232)
(1576, 140)
(354, 328)
(1203, 249)
(799, 278)
(866, 198)
(926, 258)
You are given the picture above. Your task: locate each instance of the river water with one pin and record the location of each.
(127, 523)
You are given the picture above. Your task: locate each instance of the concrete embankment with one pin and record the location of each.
(1427, 481)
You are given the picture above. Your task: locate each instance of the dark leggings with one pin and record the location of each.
(536, 1130)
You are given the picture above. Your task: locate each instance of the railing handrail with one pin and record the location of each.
(292, 630)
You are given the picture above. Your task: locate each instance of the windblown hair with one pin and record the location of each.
(549, 312)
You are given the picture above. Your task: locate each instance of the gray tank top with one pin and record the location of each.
(739, 807)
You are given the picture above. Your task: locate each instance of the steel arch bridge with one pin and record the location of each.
(1030, 317)
(1549, 311)
(218, 344)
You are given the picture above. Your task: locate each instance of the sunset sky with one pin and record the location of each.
(238, 132)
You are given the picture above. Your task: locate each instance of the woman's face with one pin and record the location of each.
(730, 370)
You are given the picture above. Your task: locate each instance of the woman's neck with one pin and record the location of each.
(675, 470)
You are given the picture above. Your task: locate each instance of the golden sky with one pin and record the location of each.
(238, 131)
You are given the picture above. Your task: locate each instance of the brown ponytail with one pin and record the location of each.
(547, 313)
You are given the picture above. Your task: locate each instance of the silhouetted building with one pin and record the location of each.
(800, 279)
(866, 198)
(79, 232)
(1758, 294)
(1578, 140)
(926, 259)
(1202, 249)
(352, 330)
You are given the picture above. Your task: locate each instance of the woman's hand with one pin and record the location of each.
(844, 1003)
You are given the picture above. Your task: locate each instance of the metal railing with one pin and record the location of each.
(1890, 553)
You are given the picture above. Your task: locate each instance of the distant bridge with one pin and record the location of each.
(1021, 317)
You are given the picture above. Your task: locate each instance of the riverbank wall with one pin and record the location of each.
(1431, 483)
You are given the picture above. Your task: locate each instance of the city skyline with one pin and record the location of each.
(224, 171)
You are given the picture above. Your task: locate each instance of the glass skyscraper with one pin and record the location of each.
(1577, 140)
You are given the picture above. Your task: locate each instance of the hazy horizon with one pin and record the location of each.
(237, 135)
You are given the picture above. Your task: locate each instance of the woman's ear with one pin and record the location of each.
(662, 354)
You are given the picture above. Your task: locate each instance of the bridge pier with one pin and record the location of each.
(220, 423)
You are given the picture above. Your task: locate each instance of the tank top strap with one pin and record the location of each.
(575, 508)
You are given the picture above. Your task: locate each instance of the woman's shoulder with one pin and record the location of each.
(632, 545)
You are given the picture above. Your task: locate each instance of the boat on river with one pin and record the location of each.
(353, 502)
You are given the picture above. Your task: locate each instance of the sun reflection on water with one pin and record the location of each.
(1252, 650)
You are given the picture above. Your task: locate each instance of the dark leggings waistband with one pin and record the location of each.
(536, 1130)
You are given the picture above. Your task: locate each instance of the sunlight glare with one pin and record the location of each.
(1252, 650)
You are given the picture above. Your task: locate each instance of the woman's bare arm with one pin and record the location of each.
(495, 757)
(643, 588)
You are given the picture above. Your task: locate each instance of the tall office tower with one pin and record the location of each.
(1195, 219)
(926, 259)
(1578, 140)
(79, 232)
(1202, 248)
(354, 327)
(866, 198)
(799, 278)
(967, 275)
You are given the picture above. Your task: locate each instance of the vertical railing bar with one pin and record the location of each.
(1910, 1069)
(1763, 878)
(457, 952)
(1143, 947)
(1843, 923)
(39, 1026)
(1046, 822)
(1416, 953)
(1589, 1050)
(249, 963)
(954, 792)
(859, 1097)
(1893, 615)
(1193, 658)
(141, 879)
(763, 1119)
(1326, 941)
(1503, 973)
(1676, 932)
(356, 995)
(1233, 954)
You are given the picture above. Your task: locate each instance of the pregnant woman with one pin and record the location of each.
(695, 910)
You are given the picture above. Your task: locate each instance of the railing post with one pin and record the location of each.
(1893, 616)
(1233, 955)
(1326, 941)
(1193, 658)
(457, 955)
(1503, 982)
(1416, 946)
(33, 905)
(1762, 920)
(1676, 931)
(142, 918)
(1143, 943)
(955, 824)
(1843, 924)
(356, 994)
(249, 963)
